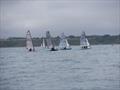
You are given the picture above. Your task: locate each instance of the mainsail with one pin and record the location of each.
(67, 44)
(29, 44)
(49, 40)
(64, 42)
(43, 43)
(84, 41)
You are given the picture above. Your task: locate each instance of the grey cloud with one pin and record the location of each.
(71, 17)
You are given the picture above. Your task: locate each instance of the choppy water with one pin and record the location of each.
(93, 69)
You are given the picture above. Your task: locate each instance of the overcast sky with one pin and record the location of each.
(68, 16)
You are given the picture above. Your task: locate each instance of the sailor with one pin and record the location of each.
(64, 47)
(52, 49)
(30, 49)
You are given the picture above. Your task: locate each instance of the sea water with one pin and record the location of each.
(97, 68)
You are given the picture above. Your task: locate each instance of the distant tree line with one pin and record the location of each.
(73, 40)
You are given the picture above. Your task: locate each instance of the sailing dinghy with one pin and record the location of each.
(50, 44)
(29, 43)
(64, 45)
(84, 43)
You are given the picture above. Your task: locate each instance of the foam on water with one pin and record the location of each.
(92, 69)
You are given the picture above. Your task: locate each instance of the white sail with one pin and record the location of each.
(29, 44)
(43, 43)
(84, 43)
(63, 42)
(88, 44)
(50, 44)
(67, 44)
(49, 40)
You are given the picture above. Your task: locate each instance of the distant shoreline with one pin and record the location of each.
(73, 40)
(57, 46)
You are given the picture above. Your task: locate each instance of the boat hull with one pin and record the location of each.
(53, 49)
(85, 47)
(65, 48)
